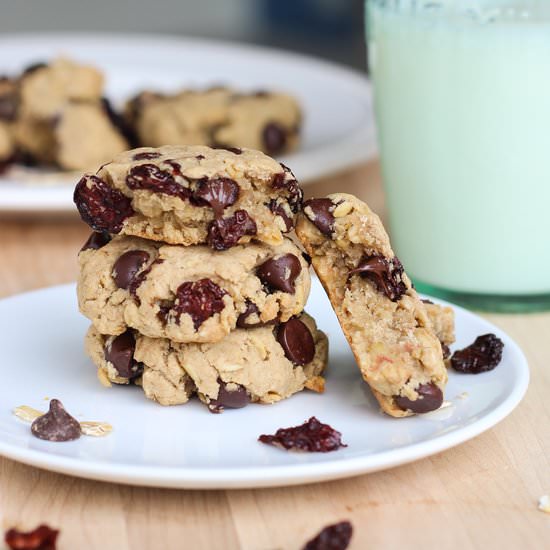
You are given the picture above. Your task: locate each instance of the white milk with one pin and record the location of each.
(462, 99)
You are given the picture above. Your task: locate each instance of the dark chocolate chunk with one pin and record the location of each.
(430, 398)
(332, 537)
(138, 279)
(146, 155)
(120, 353)
(152, 178)
(274, 138)
(96, 240)
(101, 207)
(321, 215)
(127, 266)
(386, 275)
(481, 356)
(236, 398)
(56, 425)
(279, 210)
(200, 299)
(41, 538)
(225, 232)
(218, 193)
(312, 437)
(297, 342)
(280, 273)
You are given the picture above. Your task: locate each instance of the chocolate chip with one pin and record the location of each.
(218, 193)
(200, 299)
(101, 207)
(306, 257)
(41, 538)
(430, 398)
(312, 436)
(127, 266)
(226, 232)
(279, 210)
(280, 273)
(332, 537)
(297, 342)
(56, 425)
(96, 240)
(386, 275)
(120, 353)
(146, 155)
(320, 213)
(294, 192)
(252, 309)
(138, 279)
(151, 178)
(481, 356)
(274, 138)
(235, 398)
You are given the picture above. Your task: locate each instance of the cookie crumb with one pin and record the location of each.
(544, 504)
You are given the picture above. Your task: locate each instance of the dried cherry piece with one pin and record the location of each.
(120, 353)
(481, 356)
(96, 240)
(332, 537)
(56, 425)
(430, 398)
(101, 207)
(225, 232)
(387, 275)
(152, 178)
(41, 538)
(320, 214)
(280, 273)
(218, 193)
(278, 210)
(274, 138)
(297, 342)
(312, 436)
(235, 398)
(146, 155)
(127, 266)
(200, 299)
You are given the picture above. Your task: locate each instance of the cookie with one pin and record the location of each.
(191, 195)
(188, 294)
(261, 365)
(384, 320)
(218, 117)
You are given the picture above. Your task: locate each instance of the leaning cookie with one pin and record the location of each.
(191, 195)
(188, 294)
(262, 365)
(383, 318)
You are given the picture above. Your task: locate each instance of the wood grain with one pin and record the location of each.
(480, 495)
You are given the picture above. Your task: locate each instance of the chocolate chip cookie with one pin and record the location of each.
(218, 117)
(384, 320)
(188, 294)
(263, 365)
(191, 195)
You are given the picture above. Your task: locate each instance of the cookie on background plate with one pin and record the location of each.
(384, 320)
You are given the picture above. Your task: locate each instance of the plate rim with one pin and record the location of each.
(279, 475)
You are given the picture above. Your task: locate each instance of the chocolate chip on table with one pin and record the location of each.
(200, 299)
(218, 193)
(274, 138)
(234, 398)
(278, 209)
(101, 207)
(120, 353)
(297, 342)
(127, 266)
(146, 155)
(224, 233)
(332, 537)
(41, 538)
(387, 275)
(280, 273)
(312, 436)
(430, 398)
(320, 213)
(56, 425)
(481, 356)
(96, 240)
(152, 178)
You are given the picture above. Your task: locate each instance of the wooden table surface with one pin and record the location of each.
(482, 494)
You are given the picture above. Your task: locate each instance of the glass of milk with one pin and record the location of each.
(462, 98)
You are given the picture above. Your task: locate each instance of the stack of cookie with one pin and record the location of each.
(191, 285)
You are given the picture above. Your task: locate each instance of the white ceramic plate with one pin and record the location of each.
(41, 336)
(338, 127)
